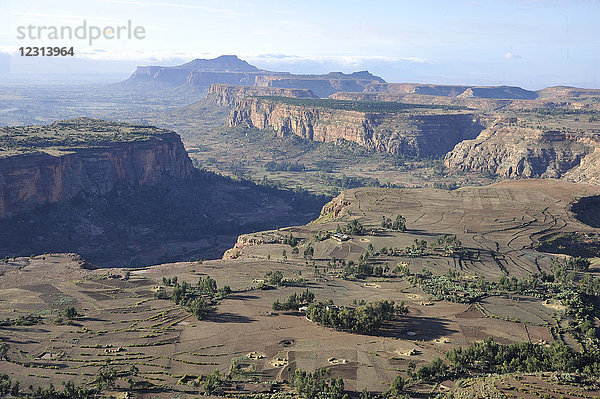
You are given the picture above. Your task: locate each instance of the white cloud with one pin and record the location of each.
(512, 56)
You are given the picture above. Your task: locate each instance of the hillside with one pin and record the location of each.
(45, 164)
(119, 193)
(466, 268)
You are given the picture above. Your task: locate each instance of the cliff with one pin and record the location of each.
(386, 127)
(519, 152)
(45, 164)
(323, 85)
(230, 70)
(227, 95)
(491, 92)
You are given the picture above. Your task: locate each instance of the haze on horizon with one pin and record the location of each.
(528, 43)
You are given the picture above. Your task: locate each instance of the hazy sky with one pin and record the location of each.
(531, 43)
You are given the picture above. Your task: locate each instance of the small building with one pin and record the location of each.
(340, 237)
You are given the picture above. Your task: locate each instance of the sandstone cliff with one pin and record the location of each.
(323, 85)
(409, 133)
(227, 95)
(45, 164)
(495, 92)
(519, 152)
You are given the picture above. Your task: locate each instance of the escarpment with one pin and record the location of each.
(46, 164)
(227, 95)
(385, 127)
(520, 152)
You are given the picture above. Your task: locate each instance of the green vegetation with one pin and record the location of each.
(69, 391)
(27, 320)
(283, 166)
(196, 299)
(352, 228)
(318, 384)
(359, 106)
(363, 319)
(519, 357)
(399, 224)
(65, 136)
(295, 301)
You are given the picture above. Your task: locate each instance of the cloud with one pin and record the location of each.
(340, 59)
(512, 56)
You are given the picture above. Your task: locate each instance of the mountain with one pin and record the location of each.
(229, 69)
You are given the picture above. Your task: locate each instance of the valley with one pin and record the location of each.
(217, 229)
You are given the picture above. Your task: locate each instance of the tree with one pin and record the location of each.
(399, 224)
(213, 382)
(199, 308)
(106, 377)
(274, 278)
(284, 254)
(309, 252)
(4, 347)
(396, 387)
(71, 313)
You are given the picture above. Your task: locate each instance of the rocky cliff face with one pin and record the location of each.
(397, 133)
(29, 179)
(492, 92)
(228, 95)
(518, 152)
(322, 85)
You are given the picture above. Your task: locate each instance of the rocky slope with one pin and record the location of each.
(411, 133)
(45, 164)
(520, 152)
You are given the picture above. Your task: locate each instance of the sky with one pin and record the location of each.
(527, 43)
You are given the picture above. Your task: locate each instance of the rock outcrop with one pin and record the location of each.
(517, 152)
(227, 95)
(59, 168)
(492, 92)
(415, 133)
(323, 85)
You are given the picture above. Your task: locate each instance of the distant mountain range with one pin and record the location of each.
(229, 69)
(200, 74)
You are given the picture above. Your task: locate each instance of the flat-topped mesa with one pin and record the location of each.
(491, 92)
(45, 164)
(323, 85)
(383, 127)
(228, 95)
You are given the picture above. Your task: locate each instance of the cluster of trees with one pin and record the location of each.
(352, 228)
(284, 166)
(399, 224)
(519, 357)
(295, 301)
(26, 320)
(419, 248)
(448, 243)
(318, 384)
(194, 297)
(363, 268)
(12, 388)
(364, 319)
(290, 240)
(274, 278)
